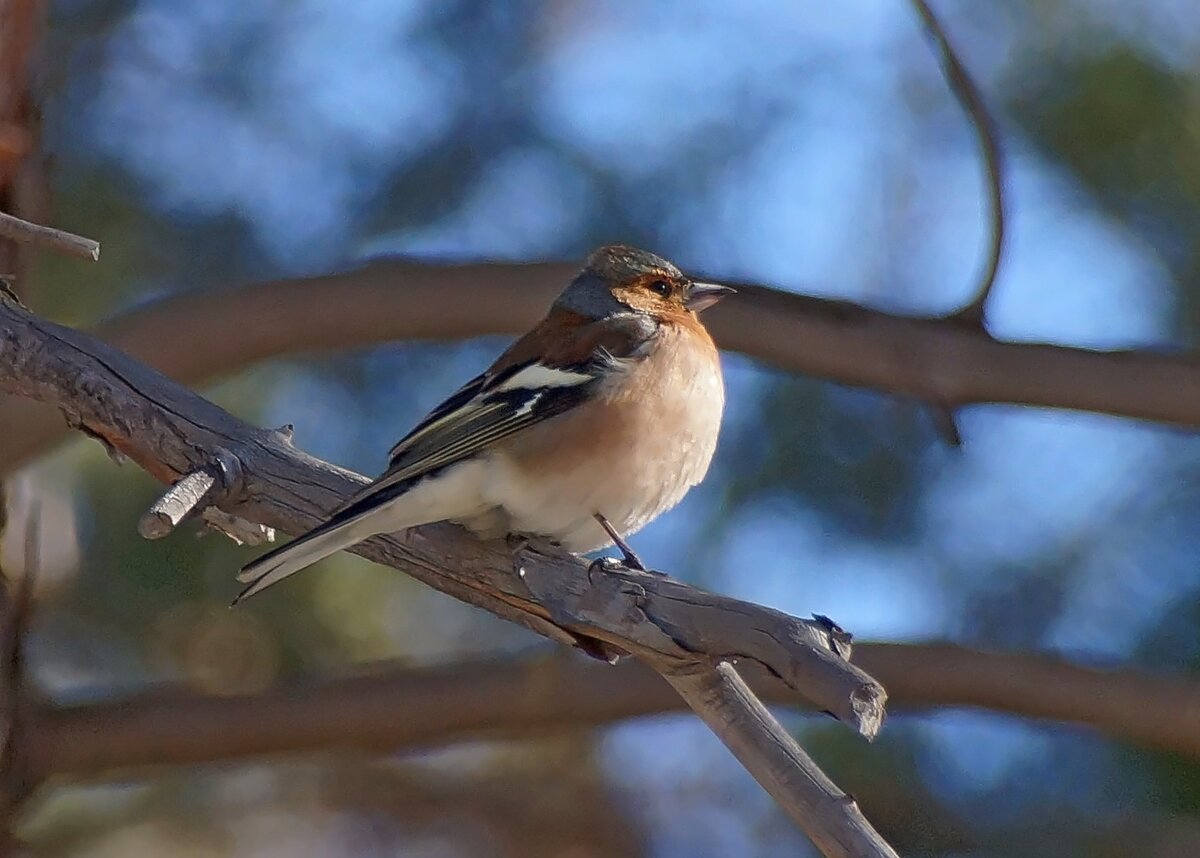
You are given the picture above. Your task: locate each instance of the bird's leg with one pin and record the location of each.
(629, 559)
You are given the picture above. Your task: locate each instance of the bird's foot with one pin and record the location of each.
(629, 559)
(621, 564)
(517, 546)
(520, 544)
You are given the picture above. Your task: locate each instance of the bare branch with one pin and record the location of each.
(968, 95)
(925, 359)
(627, 609)
(238, 529)
(171, 431)
(945, 424)
(405, 708)
(731, 710)
(31, 233)
(1152, 710)
(192, 495)
(177, 503)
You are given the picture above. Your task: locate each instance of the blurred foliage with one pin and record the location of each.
(1128, 126)
(864, 456)
(682, 148)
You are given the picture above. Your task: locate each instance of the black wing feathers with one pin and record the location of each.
(530, 386)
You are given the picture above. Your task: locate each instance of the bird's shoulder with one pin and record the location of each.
(570, 341)
(551, 369)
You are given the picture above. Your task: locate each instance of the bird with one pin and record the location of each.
(587, 428)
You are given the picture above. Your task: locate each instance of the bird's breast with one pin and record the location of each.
(630, 453)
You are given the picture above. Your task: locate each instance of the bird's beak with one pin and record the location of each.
(701, 296)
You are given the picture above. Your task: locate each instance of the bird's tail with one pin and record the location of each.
(325, 539)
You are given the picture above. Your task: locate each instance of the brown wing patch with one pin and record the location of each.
(567, 339)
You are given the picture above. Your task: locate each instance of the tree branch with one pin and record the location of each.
(15, 228)
(517, 697)
(171, 431)
(927, 359)
(968, 95)
(731, 710)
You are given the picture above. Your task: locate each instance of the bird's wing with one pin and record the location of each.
(526, 385)
(529, 383)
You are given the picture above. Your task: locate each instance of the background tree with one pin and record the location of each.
(812, 150)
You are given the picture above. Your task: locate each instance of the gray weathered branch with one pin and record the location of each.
(731, 710)
(172, 432)
(24, 231)
(192, 495)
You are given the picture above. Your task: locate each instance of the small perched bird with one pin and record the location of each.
(585, 430)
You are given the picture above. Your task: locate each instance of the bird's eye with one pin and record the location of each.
(661, 287)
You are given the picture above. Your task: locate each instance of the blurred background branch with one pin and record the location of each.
(543, 693)
(967, 92)
(22, 186)
(16, 781)
(964, 88)
(929, 359)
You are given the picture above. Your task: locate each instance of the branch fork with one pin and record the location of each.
(731, 709)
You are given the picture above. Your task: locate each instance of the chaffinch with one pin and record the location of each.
(582, 432)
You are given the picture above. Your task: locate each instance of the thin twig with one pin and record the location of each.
(969, 97)
(241, 531)
(971, 100)
(830, 817)
(7, 293)
(192, 495)
(945, 424)
(30, 233)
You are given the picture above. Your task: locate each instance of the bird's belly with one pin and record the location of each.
(562, 505)
(614, 457)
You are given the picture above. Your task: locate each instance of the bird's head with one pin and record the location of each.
(620, 279)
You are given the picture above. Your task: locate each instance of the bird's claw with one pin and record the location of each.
(631, 561)
(520, 545)
(517, 545)
(621, 564)
(604, 564)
